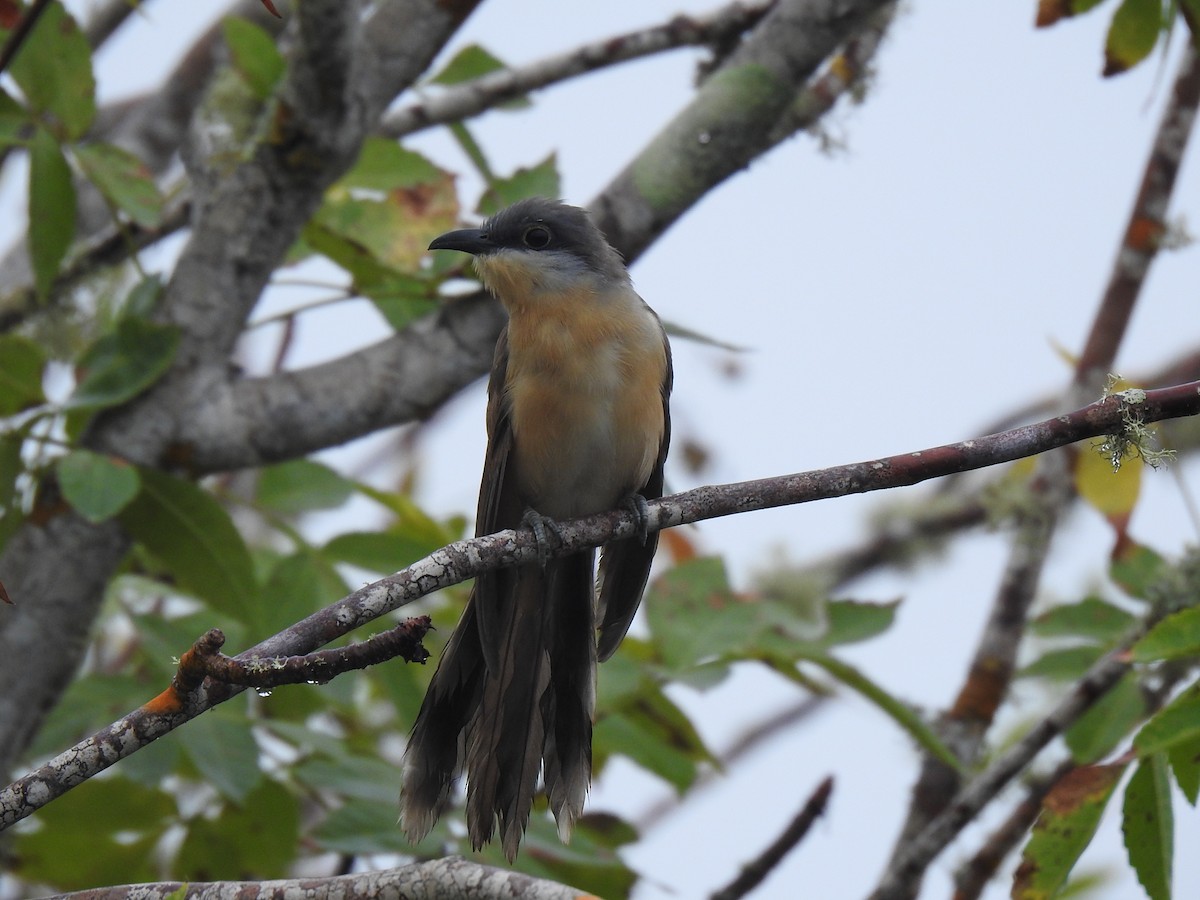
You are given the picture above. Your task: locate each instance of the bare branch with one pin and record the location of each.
(204, 660)
(461, 101)
(731, 120)
(439, 878)
(405, 377)
(464, 559)
(1147, 223)
(754, 872)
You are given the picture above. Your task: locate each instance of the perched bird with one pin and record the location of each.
(578, 423)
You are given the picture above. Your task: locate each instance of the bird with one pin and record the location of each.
(578, 423)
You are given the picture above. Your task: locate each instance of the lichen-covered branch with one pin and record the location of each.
(464, 559)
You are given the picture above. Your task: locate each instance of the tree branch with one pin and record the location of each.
(754, 872)
(732, 119)
(461, 101)
(908, 865)
(989, 677)
(254, 421)
(464, 559)
(242, 229)
(432, 880)
(1147, 223)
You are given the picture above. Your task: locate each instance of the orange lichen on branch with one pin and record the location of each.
(983, 692)
(1144, 234)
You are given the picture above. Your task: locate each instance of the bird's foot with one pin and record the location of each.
(637, 505)
(539, 525)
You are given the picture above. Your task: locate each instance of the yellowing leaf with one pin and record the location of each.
(1112, 494)
(1070, 814)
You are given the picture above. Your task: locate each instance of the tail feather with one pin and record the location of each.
(505, 739)
(570, 703)
(531, 713)
(434, 756)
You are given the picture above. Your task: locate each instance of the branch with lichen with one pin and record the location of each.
(465, 559)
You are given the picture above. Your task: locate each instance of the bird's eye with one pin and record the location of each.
(537, 237)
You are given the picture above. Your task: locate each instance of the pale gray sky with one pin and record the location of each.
(897, 294)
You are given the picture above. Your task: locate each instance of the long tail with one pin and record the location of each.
(534, 712)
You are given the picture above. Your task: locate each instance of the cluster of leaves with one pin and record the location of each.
(1147, 725)
(1136, 27)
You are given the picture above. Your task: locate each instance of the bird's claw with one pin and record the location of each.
(637, 505)
(539, 525)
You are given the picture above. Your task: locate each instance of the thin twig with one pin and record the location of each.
(464, 559)
(1147, 223)
(907, 866)
(205, 660)
(456, 102)
(754, 872)
(751, 739)
(973, 876)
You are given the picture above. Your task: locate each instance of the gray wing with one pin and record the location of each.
(499, 507)
(625, 565)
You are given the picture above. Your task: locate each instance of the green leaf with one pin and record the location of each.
(589, 863)
(1070, 814)
(98, 487)
(470, 62)
(11, 467)
(351, 775)
(124, 180)
(54, 71)
(1185, 763)
(223, 750)
(21, 365)
(1176, 723)
(1065, 664)
(1175, 637)
(657, 746)
(253, 841)
(1136, 569)
(540, 181)
(1108, 722)
(84, 838)
(368, 826)
(302, 485)
(1132, 34)
(897, 710)
(379, 551)
(384, 165)
(14, 120)
(851, 621)
(1091, 618)
(191, 534)
(694, 616)
(639, 721)
(122, 364)
(51, 209)
(1148, 825)
(298, 585)
(255, 56)
(143, 297)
